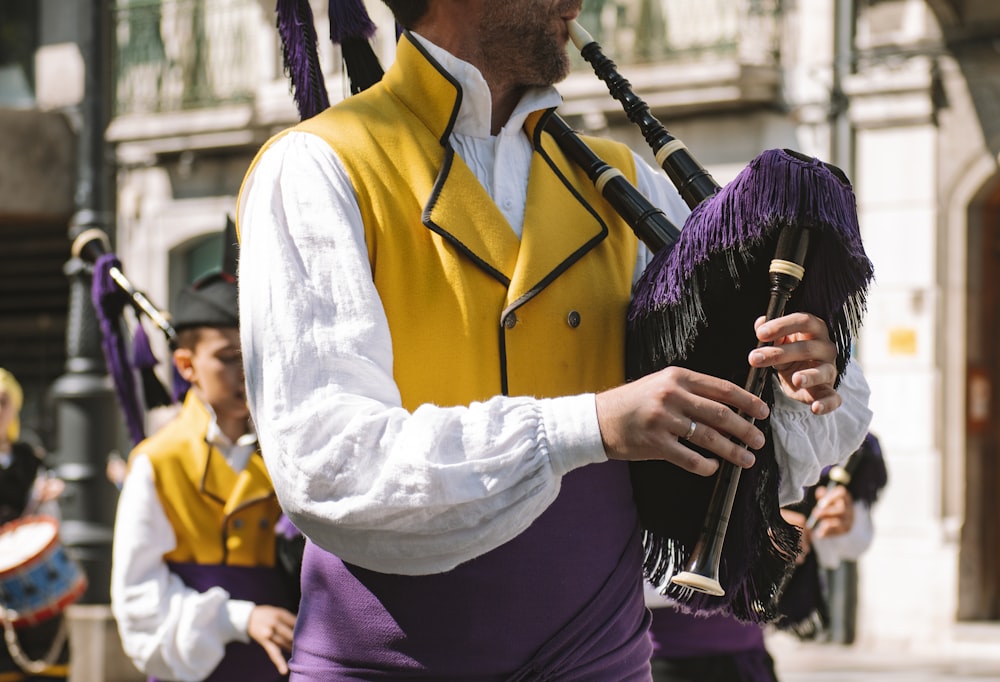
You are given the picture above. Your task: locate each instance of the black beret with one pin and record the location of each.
(209, 302)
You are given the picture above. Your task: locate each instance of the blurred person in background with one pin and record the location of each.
(836, 527)
(195, 585)
(27, 488)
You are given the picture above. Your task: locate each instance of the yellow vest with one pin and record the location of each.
(219, 516)
(473, 311)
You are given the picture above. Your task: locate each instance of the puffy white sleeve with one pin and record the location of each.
(379, 486)
(168, 630)
(804, 443)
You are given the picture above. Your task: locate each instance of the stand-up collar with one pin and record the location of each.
(473, 104)
(560, 225)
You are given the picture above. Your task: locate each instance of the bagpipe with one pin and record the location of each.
(719, 543)
(131, 373)
(744, 251)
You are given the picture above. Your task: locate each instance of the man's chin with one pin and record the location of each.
(548, 80)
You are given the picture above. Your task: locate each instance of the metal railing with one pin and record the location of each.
(646, 31)
(174, 55)
(184, 54)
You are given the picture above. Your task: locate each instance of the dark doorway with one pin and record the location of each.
(979, 565)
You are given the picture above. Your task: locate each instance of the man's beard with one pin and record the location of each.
(519, 50)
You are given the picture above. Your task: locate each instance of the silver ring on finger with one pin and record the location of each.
(690, 431)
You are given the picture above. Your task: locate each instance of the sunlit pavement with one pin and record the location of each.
(950, 662)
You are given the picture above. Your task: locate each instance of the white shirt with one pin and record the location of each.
(423, 491)
(169, 630)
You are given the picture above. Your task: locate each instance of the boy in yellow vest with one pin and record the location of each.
(194, 577)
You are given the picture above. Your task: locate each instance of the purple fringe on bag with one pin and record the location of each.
(350, 27)
(724, 233)
(803, 607)
(871, 476)
(109, 303)
(694, 306)
(142, 352)
(143, 360)
(301, 59)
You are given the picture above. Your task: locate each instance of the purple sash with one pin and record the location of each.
(680, 635)
(563, 599)
(711, 647)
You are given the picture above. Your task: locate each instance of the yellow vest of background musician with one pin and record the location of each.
(218, 516)
(473, 311)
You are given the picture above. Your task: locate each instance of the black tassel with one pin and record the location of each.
(363, 67)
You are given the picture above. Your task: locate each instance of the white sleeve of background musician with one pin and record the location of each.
(377, 485)
(804, 443)
(167, 629)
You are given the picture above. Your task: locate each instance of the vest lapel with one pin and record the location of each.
(560, 226)
(202, 466)
(235, 490)
(251, 486)
(458, 208)
(462, 212)
(217, 479)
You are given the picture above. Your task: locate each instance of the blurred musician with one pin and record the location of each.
(836, 527)
(26, 488)
(195, 588)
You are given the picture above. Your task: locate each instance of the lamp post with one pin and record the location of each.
(87, 416)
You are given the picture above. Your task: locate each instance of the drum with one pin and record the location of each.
(38, 580)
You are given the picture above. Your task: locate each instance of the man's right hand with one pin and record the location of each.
(650, 417)
(272, 628)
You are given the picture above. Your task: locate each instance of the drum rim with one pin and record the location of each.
(49, 610)
(41, 553)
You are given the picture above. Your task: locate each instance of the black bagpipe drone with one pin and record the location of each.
(711, 544)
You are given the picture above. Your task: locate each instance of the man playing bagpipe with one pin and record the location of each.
(432, 314)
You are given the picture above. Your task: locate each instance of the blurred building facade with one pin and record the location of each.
(904, 95)
(38, 148)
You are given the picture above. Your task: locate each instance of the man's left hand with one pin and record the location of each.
(803, 357)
